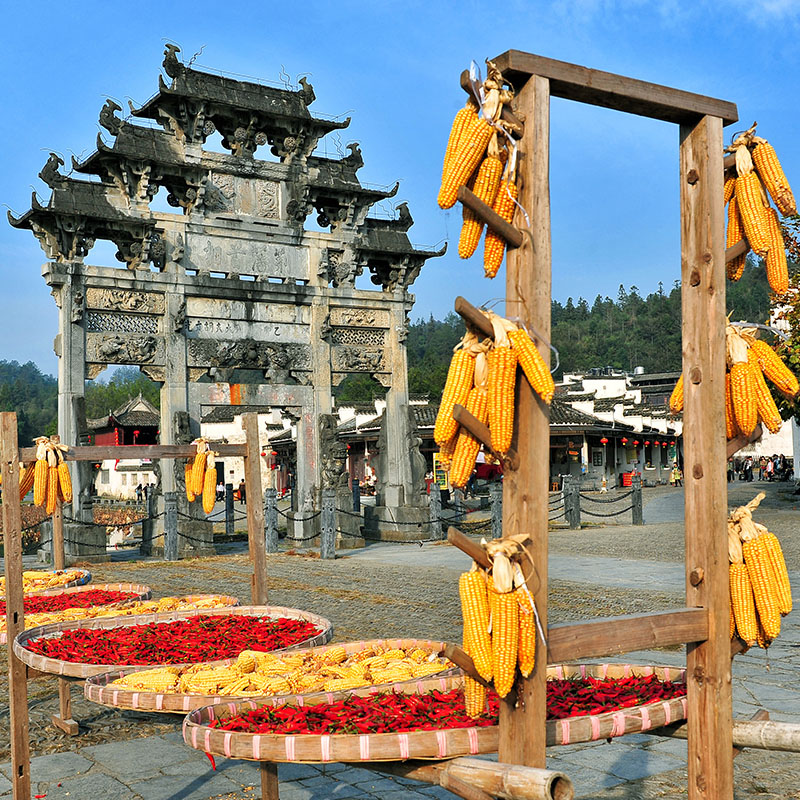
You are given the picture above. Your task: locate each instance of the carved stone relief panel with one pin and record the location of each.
(273, 358)
(111, 348)
(98, 321)
(235, 256)
(349, 358)
(125, 300)
(360, 317)
(241, 195)
(217, 308)
(370, 337)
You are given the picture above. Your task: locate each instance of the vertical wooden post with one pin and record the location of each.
(525, 490)
(57, 541)
(15, 622)
(269, 780)
(708, 674)
(255, 508)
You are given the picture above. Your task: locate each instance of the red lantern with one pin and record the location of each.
(672, 442)
(635, 442)
(647, 443)
(624, 440)
(656, 443)
(604, 440)
(663, 444)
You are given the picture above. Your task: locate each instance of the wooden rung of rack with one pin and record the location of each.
(512, 122)
(474, 317)
(101, 452)
(512, 235)
(461, 659)
(735, 445)
(481, 432)
(736, 250)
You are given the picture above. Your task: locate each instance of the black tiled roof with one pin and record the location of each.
(227, 413)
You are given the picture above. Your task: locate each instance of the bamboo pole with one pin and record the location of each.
(758, 734)
(15, 616)
(525, 490)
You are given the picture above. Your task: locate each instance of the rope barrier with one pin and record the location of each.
(607, 500)
(612, 514)
(299, 519)
(557, 516)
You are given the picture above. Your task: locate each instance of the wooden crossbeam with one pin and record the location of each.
(512, 235)
(736, 250)
(100, 452)
(735, 445)
(481, 432)
(474, 317)
(608, 90)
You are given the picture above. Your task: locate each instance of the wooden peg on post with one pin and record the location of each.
(57, 542)
(255, 508)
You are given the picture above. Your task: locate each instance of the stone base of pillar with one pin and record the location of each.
(195, 538)
(302, 530)
(397, 523)
(82, 543)
(348, 523)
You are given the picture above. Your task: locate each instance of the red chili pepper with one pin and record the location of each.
(211, 759)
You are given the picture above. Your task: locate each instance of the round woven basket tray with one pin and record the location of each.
(83, 670)
(142, 593)
(437, 744)
(99, 690)
(83, 579)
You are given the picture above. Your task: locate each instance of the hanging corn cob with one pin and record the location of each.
(467, 446)
(52, 481)
(456, 388)
(728, 189)
(743, 389)
(770, 171)
(210, 483)
(487, 182)
(775, 262)
(773, 368)
(676, 398)
(40, 472)
(494, 246)
(533, 365)
(475, 613)
(733, 235)
(26, 476)
(526, 656)
(731, 429)
(187, 475)
(751, 203)
(64, 480)
(199, 466)
(462, 120)
(502, 361)
(765, 404)
(505, 637)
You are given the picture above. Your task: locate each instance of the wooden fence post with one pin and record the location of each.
(327, 539)
(525, 490)
(708, 663)
(496, 506)
(255, 508)
(170, 526)
(271, 520)
(15, 618)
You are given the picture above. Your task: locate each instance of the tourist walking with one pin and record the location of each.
(677, 475)
(242, 492)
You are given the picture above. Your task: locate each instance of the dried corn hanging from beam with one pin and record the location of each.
(505, 638)
(462, 120)
(775, 370)
(64, 480)
(744, 607)
(502, 361)
(471, 147)
(494, 245)
(487, 182)
(676, 398)
(52, 482)
(26, 480)
(209, 483)
(773, 549)
(533, 365)
(751, 203)
(743, 389)
(765, 404)
(526, 655)
(199, 466)
(187, 474)
(456, 388)
(771, 173)
(731, 430)
(728, 189)
(467, 446)
(475, 611)
(40, 473)
(733, 235)
(775, 262)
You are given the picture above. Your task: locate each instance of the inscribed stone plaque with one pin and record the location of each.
(236, 256)
(242, 329)
(218, 308)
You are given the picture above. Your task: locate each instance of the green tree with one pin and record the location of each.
(103, 397)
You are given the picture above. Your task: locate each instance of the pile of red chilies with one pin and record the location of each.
(40, 604)
(390, 712)
(186, 641)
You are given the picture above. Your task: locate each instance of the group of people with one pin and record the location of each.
(768, 468)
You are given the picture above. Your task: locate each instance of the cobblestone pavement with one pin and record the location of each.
(388, 590)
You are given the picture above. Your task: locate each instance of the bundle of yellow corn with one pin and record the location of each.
(200, 475)
(49, 475)
(750, 216)
(38, 580)
(759, 585)
(499, 620)
(505, 203)
(748, 399)
(254, 673)
(470, 136)
(198, 467)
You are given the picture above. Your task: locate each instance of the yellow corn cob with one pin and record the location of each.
(533, 365)
(494, 246)
(731, 431)
(475, 614)
(728, 189)
(394, 653)
(187, 474)
(467, 446)
(770, 170)
(485, 188)
(245, 662)
(26, 480)
(40, 480)
(446, 452)
(505, 639)
(762, 640)
(765, 404)
(335, 655)
(502, 374)
(474, 697)
(199, 470)
(753, 212)
(773, 549)
(734, 234)
(456, 390)
(471, 147)
(461, 121)
(765, 584)
(526, 656)
(676, 398)
(744, 609)
(775, 262)
(209, 487)
(52, 489)
(773, 368)
(743, 397)
(733, 621)
(431, 668)
(64, 482)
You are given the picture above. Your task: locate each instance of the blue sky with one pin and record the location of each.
(394, 67)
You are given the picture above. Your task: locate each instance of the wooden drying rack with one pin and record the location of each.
(703, 623)
(10, 458)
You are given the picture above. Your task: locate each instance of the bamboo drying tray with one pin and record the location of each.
(142, 593)
(437, 744)
(74, 669)
(98, 688)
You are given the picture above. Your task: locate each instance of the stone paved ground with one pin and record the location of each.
(387, 590)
